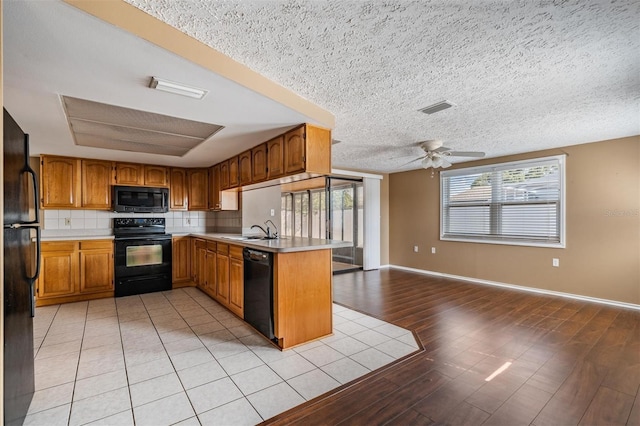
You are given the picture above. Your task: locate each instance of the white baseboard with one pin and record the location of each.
(518, 287)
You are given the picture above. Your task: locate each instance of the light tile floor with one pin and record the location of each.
(180, 357)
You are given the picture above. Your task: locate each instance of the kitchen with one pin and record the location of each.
(173, 215)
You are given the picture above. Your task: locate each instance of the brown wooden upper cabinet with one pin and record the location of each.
(97, 178)
(72, 183)
(178, 189)
(259, 163)
(198, 189)
(294, 151)
(214, 187)
(129, 174)
(224, 175)
(307, 149)
(60, 182)
(156, 176)
(275, 157)
(233, 172)
(219, 200)
(244, 168)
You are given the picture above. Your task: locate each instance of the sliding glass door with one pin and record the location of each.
(334, 211)
(346, 208)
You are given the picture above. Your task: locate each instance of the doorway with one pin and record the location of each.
(333, 209)
(346, 214)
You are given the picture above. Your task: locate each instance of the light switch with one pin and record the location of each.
(433, 250)
(556, 262)
(273, 212)
(415, 249)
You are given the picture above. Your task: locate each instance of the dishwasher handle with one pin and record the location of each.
(256, 256)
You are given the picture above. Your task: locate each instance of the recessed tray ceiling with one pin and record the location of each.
(99, 125)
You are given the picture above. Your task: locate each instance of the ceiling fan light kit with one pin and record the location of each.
(427, 162)
(435, 154)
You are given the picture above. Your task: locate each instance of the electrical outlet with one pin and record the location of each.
(556, 262)
(67, 221)
(273, 212)
(433, 250)
(415, 249)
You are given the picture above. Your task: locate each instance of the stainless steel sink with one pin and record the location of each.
(249, 238)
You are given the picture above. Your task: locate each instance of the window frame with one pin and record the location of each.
(532, 162)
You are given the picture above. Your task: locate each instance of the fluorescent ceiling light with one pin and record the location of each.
(177, 88)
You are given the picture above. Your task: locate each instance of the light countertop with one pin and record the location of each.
(280, 245)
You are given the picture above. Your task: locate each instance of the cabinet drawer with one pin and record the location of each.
(211, 245)
(235, 252)
(59, 246)
(223, 248)
(96, 244)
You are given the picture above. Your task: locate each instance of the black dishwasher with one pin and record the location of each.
(258, 290)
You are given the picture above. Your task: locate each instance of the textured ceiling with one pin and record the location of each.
(525, 75)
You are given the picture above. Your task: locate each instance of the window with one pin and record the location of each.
(296, 219)
(518, 203)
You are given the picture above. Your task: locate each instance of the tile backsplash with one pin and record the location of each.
(60, 222)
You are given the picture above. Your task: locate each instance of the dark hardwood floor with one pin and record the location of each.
(572, 362)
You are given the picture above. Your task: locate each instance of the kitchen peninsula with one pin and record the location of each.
(302, 279)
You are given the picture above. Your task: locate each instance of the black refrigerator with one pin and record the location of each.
(21, 266)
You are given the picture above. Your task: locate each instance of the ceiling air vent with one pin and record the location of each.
(437, 107)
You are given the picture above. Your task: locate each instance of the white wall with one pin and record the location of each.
(257, 205)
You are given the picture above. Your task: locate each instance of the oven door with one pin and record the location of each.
(142, 264)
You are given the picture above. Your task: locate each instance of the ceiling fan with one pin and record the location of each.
(435, 154)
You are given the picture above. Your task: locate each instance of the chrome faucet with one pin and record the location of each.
(267, 232)
(275, 233)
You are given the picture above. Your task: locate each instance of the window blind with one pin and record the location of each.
(510, 203)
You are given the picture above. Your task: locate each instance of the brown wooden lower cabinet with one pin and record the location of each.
(222, 274)
(200, 265)
(208, 267)
(181, 262)
(236, 281)
(303, 306)
(75, 270)
(96, 266)
(218, 270)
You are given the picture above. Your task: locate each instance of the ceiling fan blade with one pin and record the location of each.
(445, 163)
(412, 161)
(441, 149)
(476, 154)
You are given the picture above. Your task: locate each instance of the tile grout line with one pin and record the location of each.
(75, 380)
(175, 371)
(124, 358)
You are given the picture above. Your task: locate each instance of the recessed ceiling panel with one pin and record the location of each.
(100, 142)
(124, 129)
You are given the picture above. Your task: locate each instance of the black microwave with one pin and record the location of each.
(140, 199)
